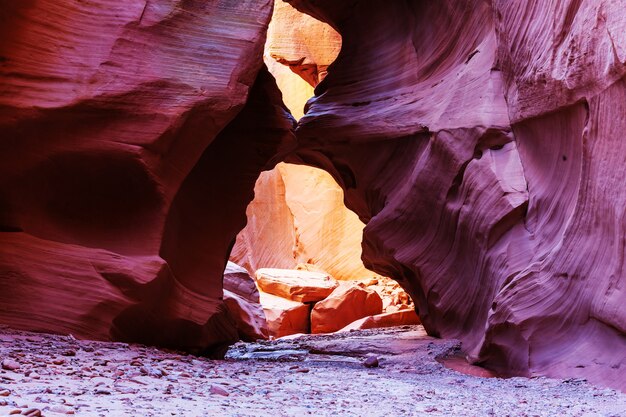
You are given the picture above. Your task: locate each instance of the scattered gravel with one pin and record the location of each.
(324, 375)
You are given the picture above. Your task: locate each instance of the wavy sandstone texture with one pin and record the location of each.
(488, 167)
(298, 217)
(480, 141)
(298, 214)
(132, 133)
(304, 44)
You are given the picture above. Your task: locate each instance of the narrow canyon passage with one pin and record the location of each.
(424, 198)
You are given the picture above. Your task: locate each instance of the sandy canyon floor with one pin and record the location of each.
(312, 375)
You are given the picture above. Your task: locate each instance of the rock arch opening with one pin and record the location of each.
(301, 242)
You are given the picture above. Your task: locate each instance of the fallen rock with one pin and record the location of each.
(249, 317)
(371, 362)
(217, 390)
(399, 318)
(285, 317)
(302, 286)
(241, 298)
(10, 365)
(349, 302)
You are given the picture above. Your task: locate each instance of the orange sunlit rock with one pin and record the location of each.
(294, 285)
(285, 317)
(298, 217)
(349, 302)
(304, 44)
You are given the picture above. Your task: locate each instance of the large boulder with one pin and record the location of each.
(285, 317)
(295, 285)
(241, 298)
(349, 302)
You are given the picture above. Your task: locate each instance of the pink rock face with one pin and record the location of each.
(241, 298)
(131, 135)
(489, 169)
(348, 303)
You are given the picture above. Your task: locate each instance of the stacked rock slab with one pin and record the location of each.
(131, 135)
(241, 298)
(287, 296)
(489, 169)
(301, 286)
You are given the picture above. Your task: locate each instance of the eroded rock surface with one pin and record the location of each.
(132, 133)
(488, 167)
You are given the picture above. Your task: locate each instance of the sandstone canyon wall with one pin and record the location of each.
(298, 217)
(483, 145)
(481, 142)
(131, 135)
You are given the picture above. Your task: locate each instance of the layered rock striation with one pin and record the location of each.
(481, 143)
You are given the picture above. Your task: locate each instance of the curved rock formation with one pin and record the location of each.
(488, 167)
(132, 133)
(304, 44)
(481, 143)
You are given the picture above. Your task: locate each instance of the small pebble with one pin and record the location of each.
(219, 391)
(10, 365)
(371, 362)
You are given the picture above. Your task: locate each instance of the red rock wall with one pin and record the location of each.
(482, 143)
(131, 135)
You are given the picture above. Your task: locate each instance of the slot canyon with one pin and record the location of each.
(312, 207)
